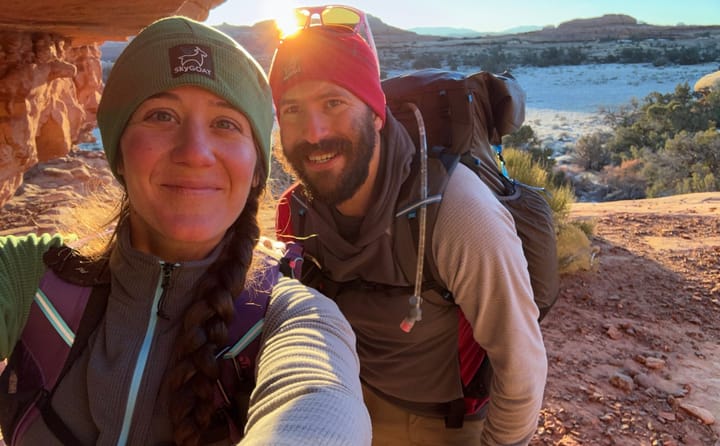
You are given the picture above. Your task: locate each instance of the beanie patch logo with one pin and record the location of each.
(191, 59)
(291, 68)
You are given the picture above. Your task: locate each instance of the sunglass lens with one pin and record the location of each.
(340, 16)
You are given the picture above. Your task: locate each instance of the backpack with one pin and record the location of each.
(462, 120)
(68, 306)
(453, 118)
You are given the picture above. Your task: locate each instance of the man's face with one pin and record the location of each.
(328, 137)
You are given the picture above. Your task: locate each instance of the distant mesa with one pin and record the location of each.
(606, 20)
(446, 31)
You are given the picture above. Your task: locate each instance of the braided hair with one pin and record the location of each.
(194, 370)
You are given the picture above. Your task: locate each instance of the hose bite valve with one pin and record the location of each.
(414, 315)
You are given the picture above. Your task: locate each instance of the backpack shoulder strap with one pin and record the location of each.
(69, 303)
(441, 164)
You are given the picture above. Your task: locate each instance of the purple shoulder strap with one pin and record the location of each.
(48, 336)
(53, 322)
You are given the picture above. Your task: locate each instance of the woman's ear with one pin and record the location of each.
(256, 179)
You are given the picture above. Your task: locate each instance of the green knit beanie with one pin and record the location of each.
(178, 51)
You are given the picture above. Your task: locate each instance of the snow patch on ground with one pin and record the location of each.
(564, 102)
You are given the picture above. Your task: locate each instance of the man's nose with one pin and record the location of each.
(315, 127)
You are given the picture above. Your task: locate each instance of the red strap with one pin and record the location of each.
(470, 352)
(471, 356)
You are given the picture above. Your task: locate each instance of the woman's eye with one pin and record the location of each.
(227, 124)
(160, 115)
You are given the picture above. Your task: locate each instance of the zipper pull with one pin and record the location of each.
(167, 269)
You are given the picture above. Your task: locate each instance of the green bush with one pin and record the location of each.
(674, 137)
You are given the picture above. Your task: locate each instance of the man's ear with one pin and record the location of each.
(378, 123)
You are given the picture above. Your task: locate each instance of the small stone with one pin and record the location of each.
(614, 333)
(622, 381)
(703, 415)
(654, 363)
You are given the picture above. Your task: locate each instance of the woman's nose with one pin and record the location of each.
(193, 145)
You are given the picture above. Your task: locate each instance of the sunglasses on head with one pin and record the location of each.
(336, 18)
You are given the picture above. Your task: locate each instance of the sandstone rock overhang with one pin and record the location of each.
(51, 75)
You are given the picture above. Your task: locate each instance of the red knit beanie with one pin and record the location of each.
(320, 53)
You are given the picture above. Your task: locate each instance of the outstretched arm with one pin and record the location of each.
(21, 267)
(308, 389)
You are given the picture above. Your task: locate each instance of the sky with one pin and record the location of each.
(485, 15)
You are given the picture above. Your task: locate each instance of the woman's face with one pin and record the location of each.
(188, 161)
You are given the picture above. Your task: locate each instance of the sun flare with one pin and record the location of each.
(286, 19)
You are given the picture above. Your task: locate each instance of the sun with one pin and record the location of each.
(286, 19)
(287, 23)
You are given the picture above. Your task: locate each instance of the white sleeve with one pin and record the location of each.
(308, 388)
(479, 257)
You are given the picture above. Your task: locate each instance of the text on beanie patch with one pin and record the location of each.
(191, 59)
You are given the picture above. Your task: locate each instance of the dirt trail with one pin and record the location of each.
(634, 345)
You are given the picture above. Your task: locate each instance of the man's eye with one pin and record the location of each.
(289, 110)
(332, 103)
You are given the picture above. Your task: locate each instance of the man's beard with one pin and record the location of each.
(333, 190)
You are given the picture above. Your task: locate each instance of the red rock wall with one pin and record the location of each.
(50, 72)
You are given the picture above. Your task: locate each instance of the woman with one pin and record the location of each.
(186, 119)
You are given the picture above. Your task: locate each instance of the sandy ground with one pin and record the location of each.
(633, 344)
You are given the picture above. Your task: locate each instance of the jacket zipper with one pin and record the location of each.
(142, 359)
(167, 269)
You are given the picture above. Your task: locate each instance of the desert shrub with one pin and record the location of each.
(674, 137)
(521, 167)
(574, 249)
(525, 139)
(659, 117)
(688, 163)
(591, 151)
(625, 182)
(587, 226)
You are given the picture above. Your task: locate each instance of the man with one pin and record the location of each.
(352, 157)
